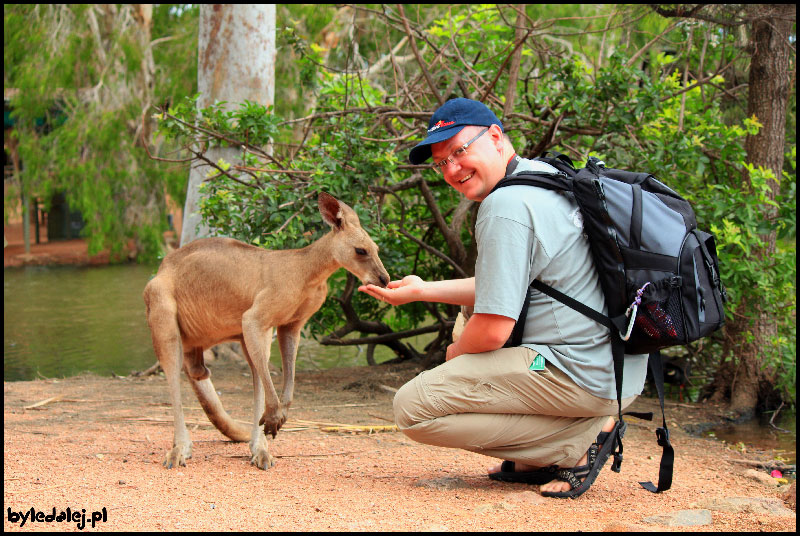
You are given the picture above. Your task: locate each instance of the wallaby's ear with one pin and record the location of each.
(331, 210)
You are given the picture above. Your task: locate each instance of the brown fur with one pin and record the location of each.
(219, 289)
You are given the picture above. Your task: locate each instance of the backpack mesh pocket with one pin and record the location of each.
(661, 321)
(659, 318)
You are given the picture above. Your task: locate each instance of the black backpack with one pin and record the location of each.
(658, 272)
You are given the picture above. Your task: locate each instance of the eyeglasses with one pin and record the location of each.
(457, 154)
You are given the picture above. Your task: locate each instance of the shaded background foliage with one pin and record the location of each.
(663, 90)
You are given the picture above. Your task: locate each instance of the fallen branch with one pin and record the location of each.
(351, 429)
(153, 369)
(772, 420)
(342, 405)
(771, 464)
(381, 418)
(170, 420)
(43, 402)
(342, 453)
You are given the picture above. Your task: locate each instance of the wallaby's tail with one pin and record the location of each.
(212, 405)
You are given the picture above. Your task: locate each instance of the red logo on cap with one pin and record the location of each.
(440, 124)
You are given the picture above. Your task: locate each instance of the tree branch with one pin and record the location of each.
(454, 243)
(434, 251)
(503, 66)
(423, 68)
(650, 43)
(383, 339)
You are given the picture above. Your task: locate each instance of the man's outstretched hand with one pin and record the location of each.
(406, 290)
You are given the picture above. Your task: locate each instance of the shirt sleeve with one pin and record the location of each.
(503, 269)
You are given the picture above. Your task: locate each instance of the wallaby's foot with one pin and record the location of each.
(262, 459)
(178, 455)
(260, 451)
(273, 419)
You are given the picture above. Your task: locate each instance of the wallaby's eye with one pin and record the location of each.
(360, 251)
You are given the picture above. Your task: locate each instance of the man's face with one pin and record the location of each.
(477, 171)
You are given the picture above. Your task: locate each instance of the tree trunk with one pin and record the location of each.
(236, 62)
(768, 95)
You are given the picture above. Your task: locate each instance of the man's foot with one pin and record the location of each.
(558, 486)
(518, 467)
(509, 471)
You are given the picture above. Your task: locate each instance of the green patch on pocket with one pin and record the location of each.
(538, 363)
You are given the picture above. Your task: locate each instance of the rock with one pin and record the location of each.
(750, 505)
(681, 518)
(446, 482)
(790, 497)
(492, 507)
(528, 497)
(760, 476)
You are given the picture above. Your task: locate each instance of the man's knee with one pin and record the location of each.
(406, 405)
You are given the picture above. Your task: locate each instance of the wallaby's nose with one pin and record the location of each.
(384, 279)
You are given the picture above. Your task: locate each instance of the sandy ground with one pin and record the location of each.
(100, 443)
(92, 444)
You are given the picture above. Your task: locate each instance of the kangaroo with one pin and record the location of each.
(219, 289)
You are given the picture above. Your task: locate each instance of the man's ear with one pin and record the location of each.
(497, 136)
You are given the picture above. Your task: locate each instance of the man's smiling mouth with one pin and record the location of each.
(465, 179)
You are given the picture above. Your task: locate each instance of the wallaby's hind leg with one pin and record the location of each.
(162, 318)
(258, 441)
(258, 346)
(181, 443)
(289, 338)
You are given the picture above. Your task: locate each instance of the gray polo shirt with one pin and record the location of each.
(526, 233)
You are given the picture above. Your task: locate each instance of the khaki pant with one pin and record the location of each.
(492, 404)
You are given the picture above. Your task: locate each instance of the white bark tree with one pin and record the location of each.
(236, 62)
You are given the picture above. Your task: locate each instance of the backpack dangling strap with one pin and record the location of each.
(618, 353)
(668, 454)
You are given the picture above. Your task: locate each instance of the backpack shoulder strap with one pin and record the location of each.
(560, 161)
(550, 181)
(598, 317)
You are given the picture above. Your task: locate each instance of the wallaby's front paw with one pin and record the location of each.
(273, 420)
(198, 372)
(177, 456)
(262, 459)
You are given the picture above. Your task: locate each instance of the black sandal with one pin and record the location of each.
(597, 457)
(536, 477)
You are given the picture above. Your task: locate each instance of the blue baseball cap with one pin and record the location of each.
(448, 120)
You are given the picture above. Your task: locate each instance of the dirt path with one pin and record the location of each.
(101, 443)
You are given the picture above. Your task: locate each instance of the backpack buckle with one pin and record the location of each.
(662, 437)
(616, 465)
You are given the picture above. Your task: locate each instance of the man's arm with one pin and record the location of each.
(411, 288)
(483, 333)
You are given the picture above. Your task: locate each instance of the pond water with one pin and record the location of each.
(758, 433)
(62, 321)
